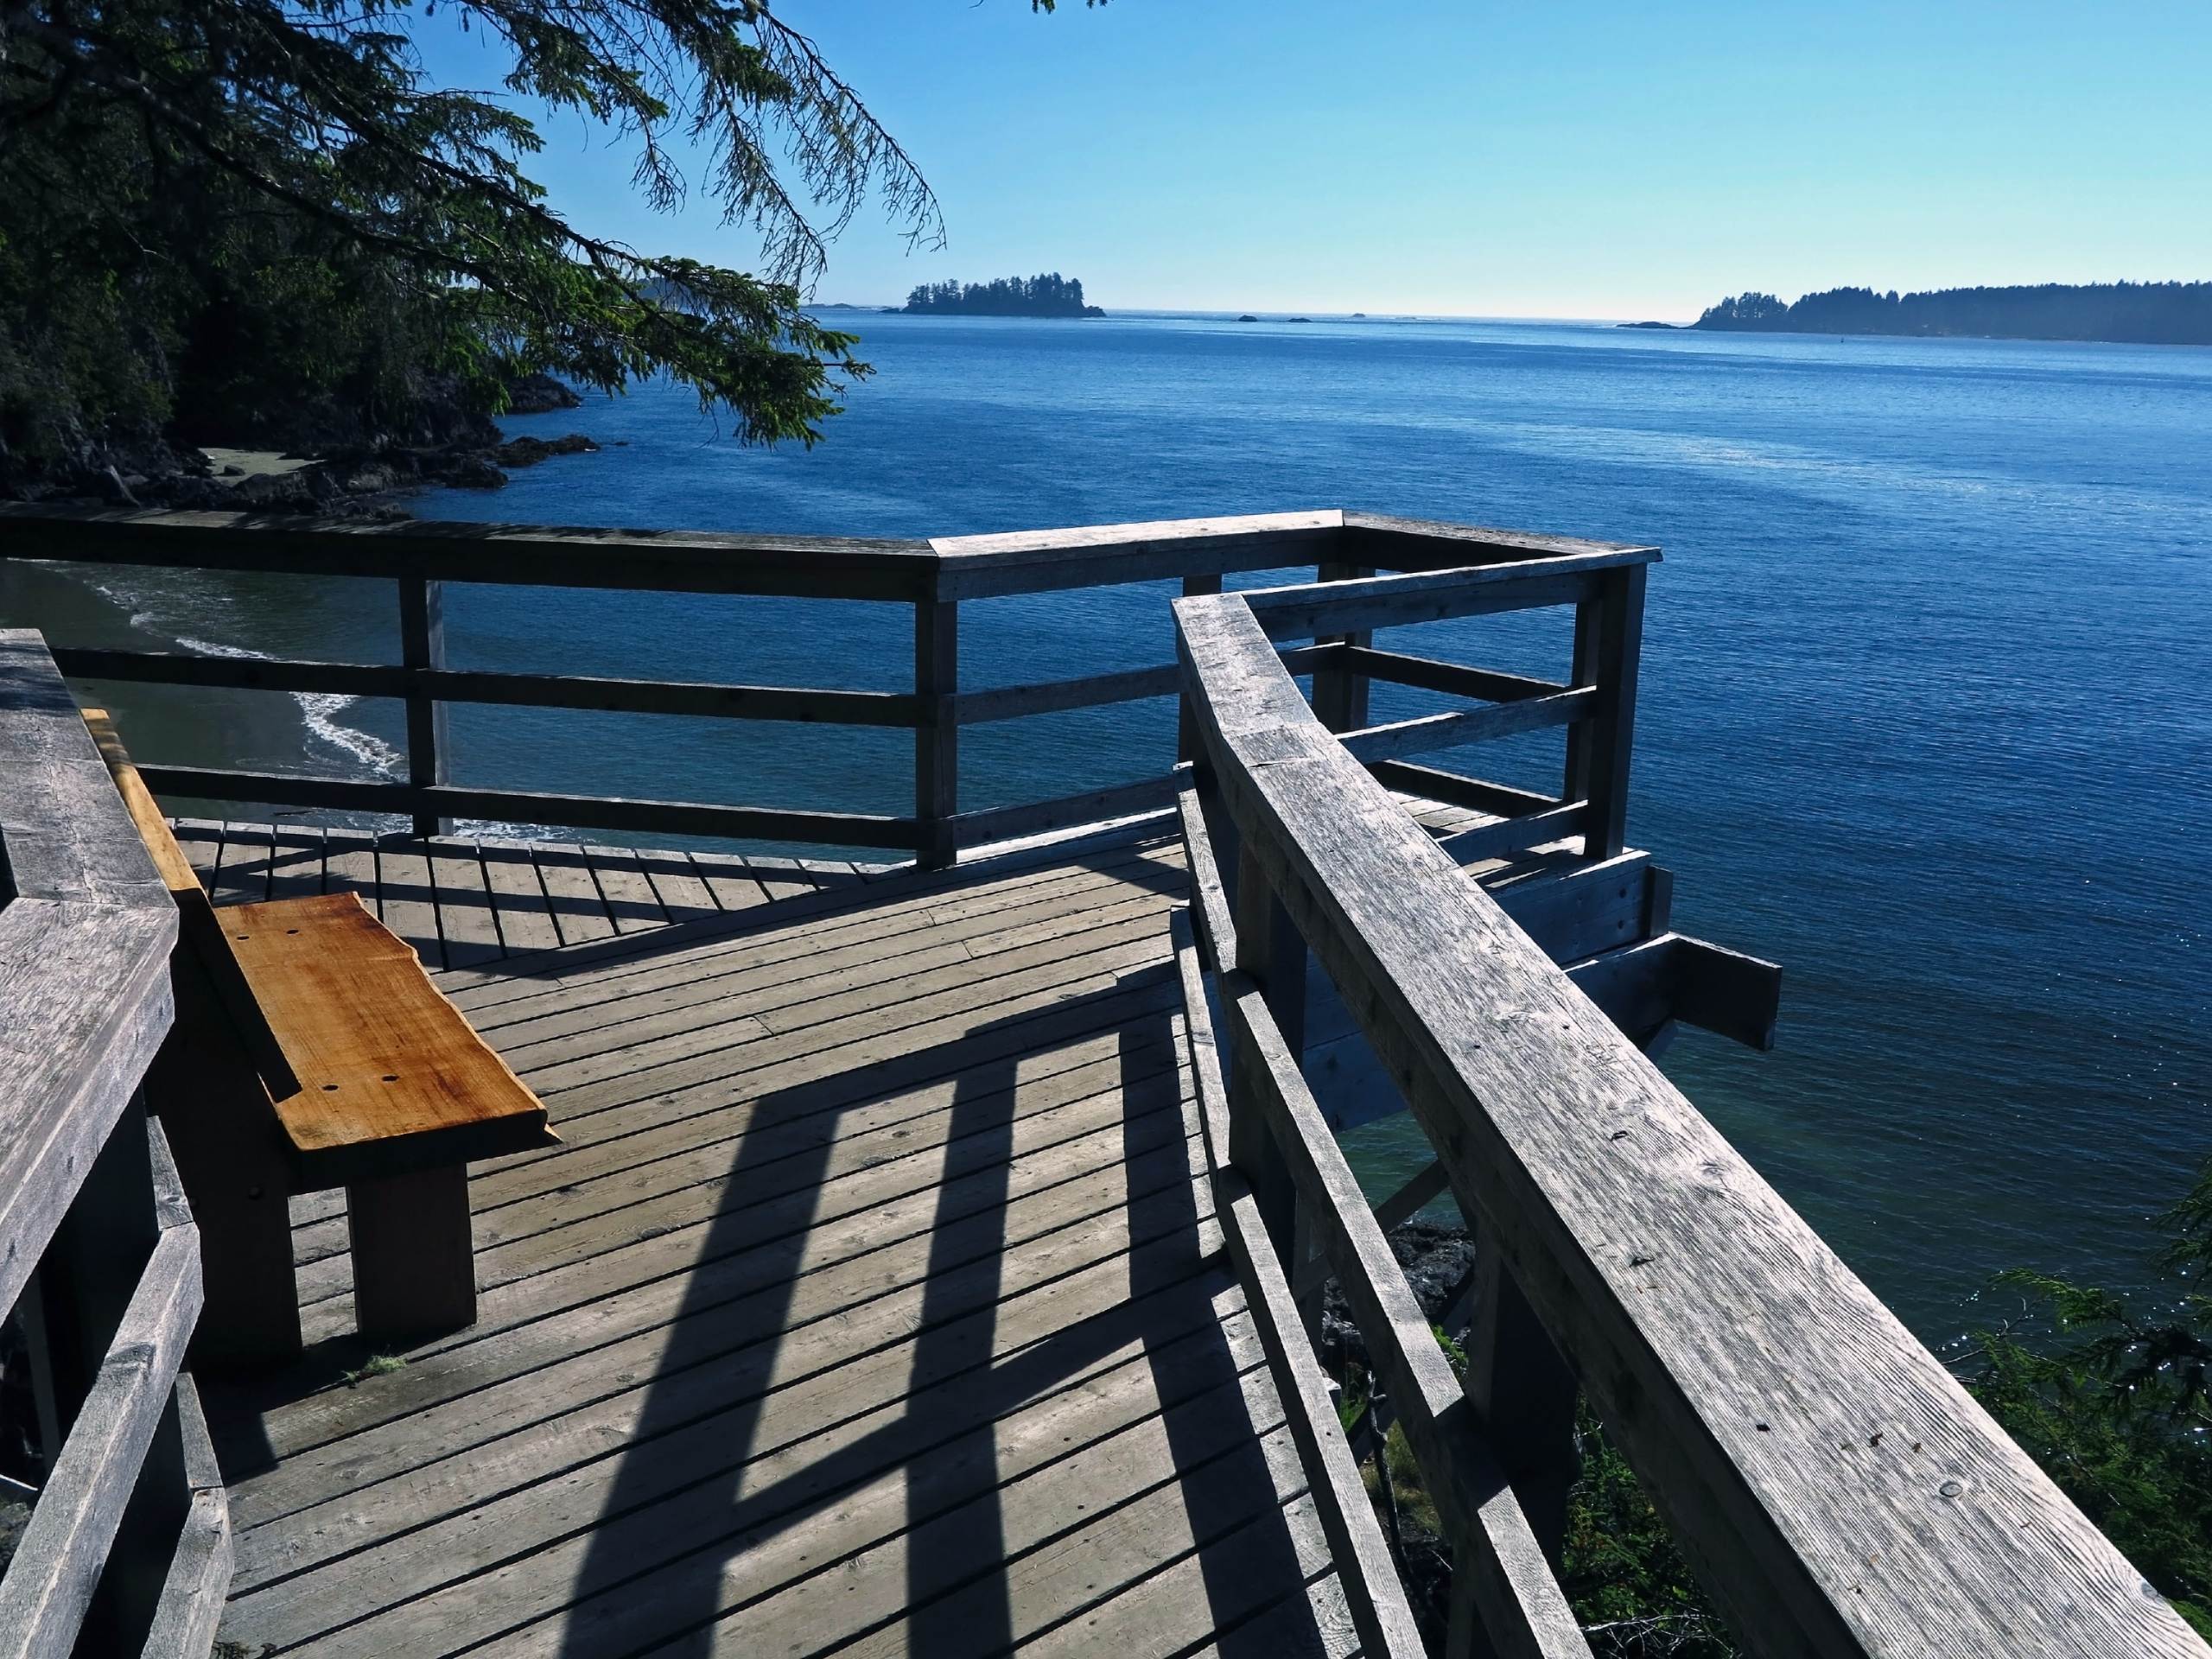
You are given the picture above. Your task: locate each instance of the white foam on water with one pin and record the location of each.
(319, 711)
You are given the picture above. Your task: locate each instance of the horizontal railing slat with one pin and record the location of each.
(1834, 1486)
(1523, 1608)
(1517, 834)
(1477, 794)
(1056, 696)
(64, 1546)
(523, 807)
(993, 825)
(1351, 606)
(1455, 679)
(1461, 727)
(773, 702)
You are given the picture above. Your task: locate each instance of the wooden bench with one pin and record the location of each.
(310, 1051)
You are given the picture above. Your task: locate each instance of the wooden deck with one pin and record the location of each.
(875, 1303)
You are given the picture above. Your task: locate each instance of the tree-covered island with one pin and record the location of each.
(2140, 314)
(1048, 295)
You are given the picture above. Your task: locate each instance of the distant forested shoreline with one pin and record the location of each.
(1048, 295)
(2139, 314)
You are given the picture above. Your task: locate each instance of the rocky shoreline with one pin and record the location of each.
(368, 476)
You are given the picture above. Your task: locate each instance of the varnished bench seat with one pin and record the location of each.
(390, 1076)
(310, 1050)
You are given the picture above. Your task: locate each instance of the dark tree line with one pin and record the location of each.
(1048, 295)
(2149, 313)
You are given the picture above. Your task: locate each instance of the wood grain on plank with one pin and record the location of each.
(1829, 1477)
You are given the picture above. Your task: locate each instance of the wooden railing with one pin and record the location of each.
(1834, 1488)
(128, 1546)
(933, 577)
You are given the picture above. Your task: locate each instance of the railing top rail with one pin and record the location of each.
(1837, 1488)
(840, 567)
(85, 928)
(829, 566)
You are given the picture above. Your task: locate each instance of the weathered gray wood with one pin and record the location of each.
(66, 834)
(1096, 691)
(1462, 727)
(1052, 697)
(1377, 1600)
(827, 567)
(1209, 897)
(85, 992)
(1417, 1195)
(1340, 679)
(520, 806)
(1453, 678)
(1514, 835)
(1313, 609)
(937, 731)
(1837, 1490)
(1479, 795)
(1524, 1611)
(1401, 543)
(466, 922)
(996, 824)
(409, 896)
(1523, 1395)
(1029, 562)
(578, 908)
(1608, 645)
(421, 646)
(518, 900)
(1675, 977)
(1272, 955)
(57, 1564)
(191, 1604)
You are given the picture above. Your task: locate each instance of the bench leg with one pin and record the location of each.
(414, 1265)
(237, 1178)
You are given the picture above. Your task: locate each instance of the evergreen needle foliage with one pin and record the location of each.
(214, 209)
(2116, 1404)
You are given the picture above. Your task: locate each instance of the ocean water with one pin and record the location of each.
(1926, 711)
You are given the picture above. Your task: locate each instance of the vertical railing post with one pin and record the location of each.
(1524, 1394)
(1186, 731)
(1340, 693)
(936, 729)
(1608, 648)
(422, 644)
(1270, 952)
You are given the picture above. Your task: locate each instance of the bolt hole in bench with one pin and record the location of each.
(311, 1051)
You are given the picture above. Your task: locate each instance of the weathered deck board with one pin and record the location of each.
(874, 1301)
(878, 1222)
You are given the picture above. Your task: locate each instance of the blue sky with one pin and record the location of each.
(1589, 161)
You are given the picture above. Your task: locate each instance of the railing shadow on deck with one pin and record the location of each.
(656, 1572)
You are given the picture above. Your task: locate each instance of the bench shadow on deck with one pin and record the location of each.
(873, 1305)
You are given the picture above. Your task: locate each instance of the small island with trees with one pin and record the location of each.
(1048, 295)
(2139, 314)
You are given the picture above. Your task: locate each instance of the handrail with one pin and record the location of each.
(934, 576)
(1836, 1490)
(99, 1262)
